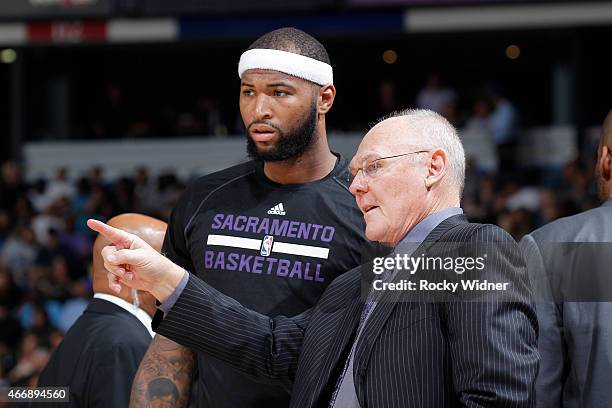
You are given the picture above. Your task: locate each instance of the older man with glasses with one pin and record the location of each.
(432, 339)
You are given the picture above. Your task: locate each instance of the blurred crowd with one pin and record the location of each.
(501, 188)
(45, 254)
(45, 246)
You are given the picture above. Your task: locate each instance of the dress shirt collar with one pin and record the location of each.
(140, 314)
(424, 228)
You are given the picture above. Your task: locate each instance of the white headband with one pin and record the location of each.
(289, 63)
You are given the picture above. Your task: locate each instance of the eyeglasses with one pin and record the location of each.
(370, 168)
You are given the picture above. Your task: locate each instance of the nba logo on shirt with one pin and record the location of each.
(266, 245)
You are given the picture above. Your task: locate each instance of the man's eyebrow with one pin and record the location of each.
(370, 156)
(246, 84)
(275, 84)
(353, 167)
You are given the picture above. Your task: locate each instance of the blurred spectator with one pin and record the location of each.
(19, 253)
(526, 198)
(34, 318)
(11, 185)
(55, 338)
(113, 122)
(32, 359)
(145, 192)
(10, 294)
(5, 225)
(577, 184)
(10, 299)
(517, 222)
(42, 224)
(37, 196)
(386, 97)
(22, 211)
(124, 195)
(504, 125)
(477, 138)
(139, 128)
(96, 177)
(6, 362)
(59, 187)
(71, 311)
(93, 208)
(504, 120)
(436, 98)
(188, 124)
(209, 117)
(77, 241)
(169, 190)
(10, 329)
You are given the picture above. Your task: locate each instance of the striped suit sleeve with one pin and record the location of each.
(208, 321)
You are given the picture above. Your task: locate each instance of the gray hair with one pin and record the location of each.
(436, 132)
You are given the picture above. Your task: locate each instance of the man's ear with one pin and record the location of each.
(437, 166)
(605, 163)
(327, 94)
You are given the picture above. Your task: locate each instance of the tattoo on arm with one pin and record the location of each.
(164, 374)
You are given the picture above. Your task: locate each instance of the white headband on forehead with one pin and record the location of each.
(289, 63)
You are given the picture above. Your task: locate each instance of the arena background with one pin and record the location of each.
(109, 106)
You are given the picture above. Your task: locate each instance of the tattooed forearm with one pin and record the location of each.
(165, 373)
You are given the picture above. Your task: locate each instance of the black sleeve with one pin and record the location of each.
(175, 245)
(205, 320)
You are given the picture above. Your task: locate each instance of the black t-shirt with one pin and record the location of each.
(272, 247)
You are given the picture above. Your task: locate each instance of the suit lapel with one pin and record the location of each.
(387, 303)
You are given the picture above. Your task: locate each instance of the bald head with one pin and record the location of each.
(151, 230)
(427, 130)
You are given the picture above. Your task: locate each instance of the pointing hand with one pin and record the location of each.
(132, 262)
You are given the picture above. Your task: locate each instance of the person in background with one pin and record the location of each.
(100, 354)
(569, 265)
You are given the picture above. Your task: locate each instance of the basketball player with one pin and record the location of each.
(272, 233)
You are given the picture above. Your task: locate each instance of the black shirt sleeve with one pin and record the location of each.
(175, 245)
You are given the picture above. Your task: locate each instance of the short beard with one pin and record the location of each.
(289, 145)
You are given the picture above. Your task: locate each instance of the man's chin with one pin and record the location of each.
(262, 151)
(374, 234)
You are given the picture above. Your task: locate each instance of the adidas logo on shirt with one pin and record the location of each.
(278, 209)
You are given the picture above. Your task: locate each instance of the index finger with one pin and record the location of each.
(115, 235)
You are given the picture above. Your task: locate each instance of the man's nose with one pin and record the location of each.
(359, 183)
(262, 107)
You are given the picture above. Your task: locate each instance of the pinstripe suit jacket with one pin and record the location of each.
(410, 354)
